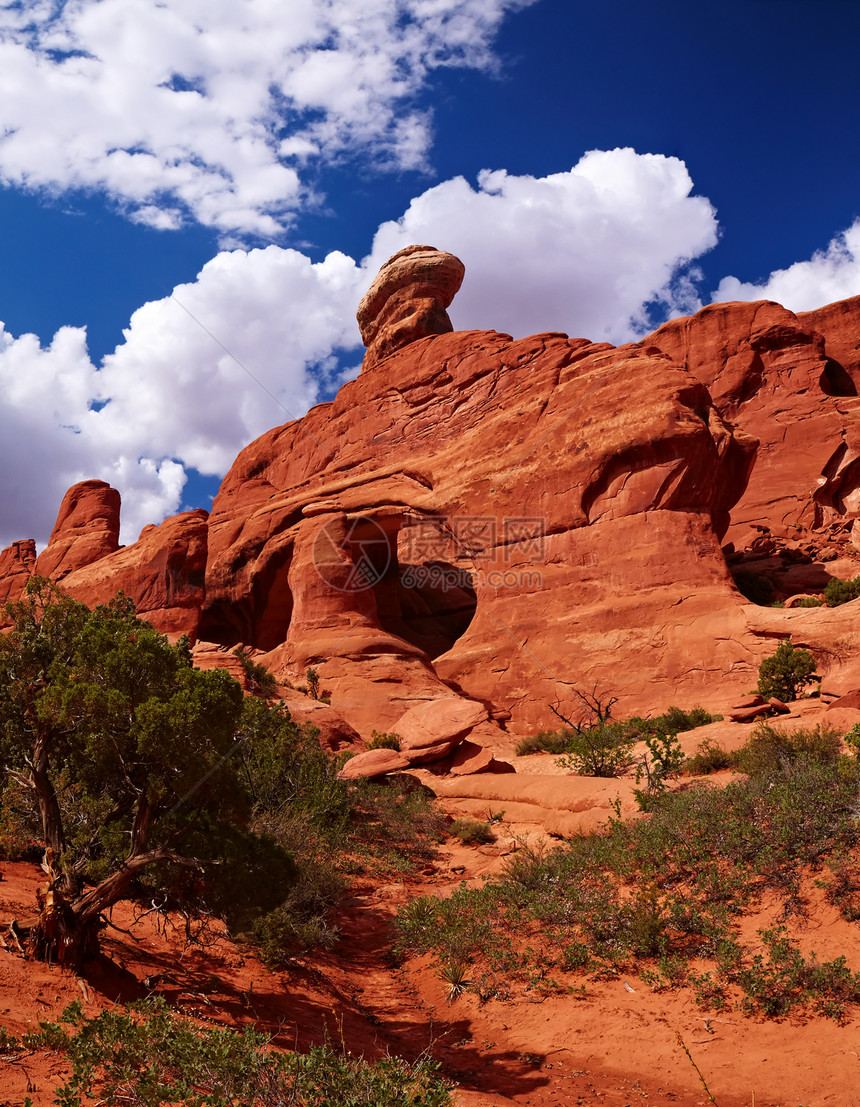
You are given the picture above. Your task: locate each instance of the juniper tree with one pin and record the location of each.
(128, 755)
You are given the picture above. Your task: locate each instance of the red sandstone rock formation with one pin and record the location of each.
(791, 382)
(86, 529)
(407, 300)
(480, 525)
(163, 572)
(16, 568)
(504, 501)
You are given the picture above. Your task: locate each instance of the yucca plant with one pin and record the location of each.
(455, 975)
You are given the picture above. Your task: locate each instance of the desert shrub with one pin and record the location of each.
(757, 589)
(394, 823)
(472, 832)
(786, 673)
(259, 677)
(547, 741)
(709, 758)
(852, 739)
(769, 749)
(604, 750)
(838, 591)
(779, 978)
(133, 758)
(383, 741)
(673, 721)
(654, 895)
(147, 1055)
(809, 601)
(662, 760)
(313, 683)
(331, 828)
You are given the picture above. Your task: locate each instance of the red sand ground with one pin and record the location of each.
(616, 1047)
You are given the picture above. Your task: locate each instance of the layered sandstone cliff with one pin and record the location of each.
(497, 521)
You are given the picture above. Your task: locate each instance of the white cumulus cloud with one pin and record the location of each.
(200, 373)
(218, 110)
(830, 274)
(582, 251)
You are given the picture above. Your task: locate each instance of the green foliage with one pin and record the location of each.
(472, 832)
(456, 975)
(126, 750)
(769, 749)
(148, 768)
(674, 721)
(809, 601)
(313, 681)
(838, 591)
(852, 739)
(786, 673)
(547, 741)
(604, 750)
(332, 829)
(259, 678)
(383, 741)
(663, 760)
(709, 758)
(660, 895)
(149, 1056)
(757, 589)
(779, 978)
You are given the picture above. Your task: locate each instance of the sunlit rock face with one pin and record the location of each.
(477, 525)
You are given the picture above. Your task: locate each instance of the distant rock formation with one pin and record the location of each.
(163, 572)
(86, 529)
(16, 567)
(408, 300)
(477, 525)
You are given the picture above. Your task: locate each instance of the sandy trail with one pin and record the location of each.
(616, 1047)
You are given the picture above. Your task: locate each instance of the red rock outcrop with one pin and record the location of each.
(163, 572)
(505, 501)
(408, 300)
(791, 382)
(87, 529)
(478, 525)
(16, 567)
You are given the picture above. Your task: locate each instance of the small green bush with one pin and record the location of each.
(148, 1056)
(472, 832)
(838, 591)
(313, 683)
(663, 760)
(604, 750)
(809, 601)
(852, 739)
(258, 676)
(674, 721)
(383, 740)
(548, 741)
(709, 758)
(786, 673)
(769, 749)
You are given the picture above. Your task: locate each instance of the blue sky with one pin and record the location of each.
(189, 176)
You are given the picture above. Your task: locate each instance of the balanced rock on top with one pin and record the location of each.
(408, 300)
